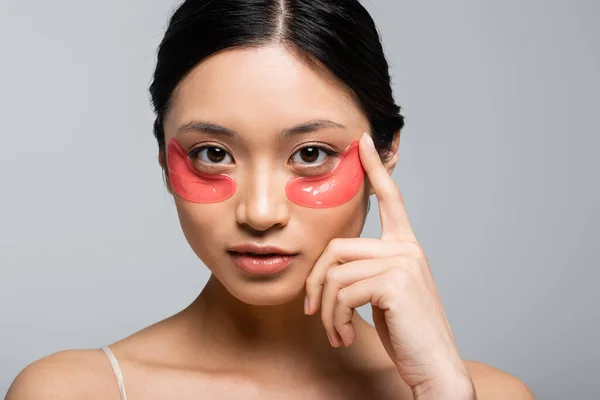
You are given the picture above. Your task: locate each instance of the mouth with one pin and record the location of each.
(261, 250)
(262, 263)
(252, 254)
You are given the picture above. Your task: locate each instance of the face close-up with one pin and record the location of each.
(261, 183)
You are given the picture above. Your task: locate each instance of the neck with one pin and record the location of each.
(269, 335)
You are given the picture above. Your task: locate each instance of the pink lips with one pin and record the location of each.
(256, 264)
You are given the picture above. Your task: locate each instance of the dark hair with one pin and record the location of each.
(338, 34)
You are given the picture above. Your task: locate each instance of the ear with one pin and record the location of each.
(162, 161)
(390, 164)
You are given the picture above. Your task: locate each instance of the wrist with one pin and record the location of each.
(457, 387)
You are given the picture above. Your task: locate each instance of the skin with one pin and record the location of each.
(249, 338)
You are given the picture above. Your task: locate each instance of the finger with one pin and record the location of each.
(353, 296)
(392, 212)
(339, 251)
(341, 276)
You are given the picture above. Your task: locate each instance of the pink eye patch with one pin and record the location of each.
(333, 188)
(328, 190)
(192, 185)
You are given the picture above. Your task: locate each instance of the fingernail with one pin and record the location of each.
(330, 340)
(368, 141)
(306, 305)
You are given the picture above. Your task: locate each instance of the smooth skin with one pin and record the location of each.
(245, 338)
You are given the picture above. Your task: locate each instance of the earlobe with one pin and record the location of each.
(165, 171)
(161, 159)
(393, 157)
(391, 163)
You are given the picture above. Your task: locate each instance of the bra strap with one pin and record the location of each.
(117, 370)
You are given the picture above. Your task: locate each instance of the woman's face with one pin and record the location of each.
(258, 93)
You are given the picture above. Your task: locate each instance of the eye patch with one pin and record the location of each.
(333, 188)
(192, 185)
(328, 190)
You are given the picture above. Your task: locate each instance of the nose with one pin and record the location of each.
(262, 202)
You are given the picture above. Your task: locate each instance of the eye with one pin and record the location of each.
(210, 155)
(312, 155)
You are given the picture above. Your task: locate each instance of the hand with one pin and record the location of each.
(391, 273)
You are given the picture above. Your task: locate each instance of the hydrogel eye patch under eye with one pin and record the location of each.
(333, 188)
(192, 185)
(328, 190)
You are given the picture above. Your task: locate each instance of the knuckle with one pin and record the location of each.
(392, 288)
(341, 299)
(334, 246)
(413, 249)
(333, 275)
(389, 193)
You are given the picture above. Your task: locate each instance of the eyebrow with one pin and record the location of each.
(306, 127)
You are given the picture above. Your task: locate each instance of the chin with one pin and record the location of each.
(264, 299)
(273, 290)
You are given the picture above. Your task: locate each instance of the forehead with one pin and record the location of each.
(267, 89)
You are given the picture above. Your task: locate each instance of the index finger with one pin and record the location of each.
(392, 212)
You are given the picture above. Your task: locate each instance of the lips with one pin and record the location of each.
(260, 250)
(259, 255)
(261, 259)
(261, 264)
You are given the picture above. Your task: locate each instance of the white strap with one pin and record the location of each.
(117, 369)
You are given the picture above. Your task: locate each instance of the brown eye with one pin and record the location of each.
(209, 155)
(312, 155)
(215, 154)
(309, 154)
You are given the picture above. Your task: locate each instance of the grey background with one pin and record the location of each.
(498, 166)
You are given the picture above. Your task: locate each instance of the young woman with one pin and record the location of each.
(261, 108)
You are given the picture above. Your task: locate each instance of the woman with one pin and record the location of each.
(261, 108)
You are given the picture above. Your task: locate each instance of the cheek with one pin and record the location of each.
(315, 229)
(332, 189)
(191, 185)
(206, 228)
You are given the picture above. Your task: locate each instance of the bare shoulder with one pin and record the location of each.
(69, 374)
(494, 384)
